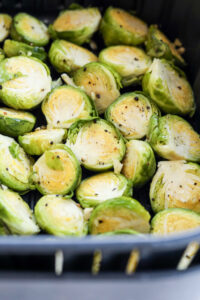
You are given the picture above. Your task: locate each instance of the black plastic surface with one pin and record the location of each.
(177, 18)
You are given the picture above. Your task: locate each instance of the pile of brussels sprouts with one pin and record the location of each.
(91, 125)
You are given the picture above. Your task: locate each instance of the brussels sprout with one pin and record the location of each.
(174, 220)
(14, 48)
(65, 105)
(120, 27)
(158, 45)
(169, 88)
(3, 229)
(96, 143)
(100, 82)
(2, 55)
(100, 187)
(130, 62)
(14, 122)
(16, 214)
(119, 213)
(60, 216)
(24, 81)
(5, 25)
(176, 184)
(76, 25)
(173, 138)
(37, 142)
(68, 57)
(26, 28)
(57, 171)
(15, 166)
(139, 163)
(131, 114)
(121, 232)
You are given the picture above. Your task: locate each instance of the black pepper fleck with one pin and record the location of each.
(98, 96)
(46, 204)
(51, 143)
(136, 98)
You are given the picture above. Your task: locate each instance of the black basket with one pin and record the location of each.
(177, 18)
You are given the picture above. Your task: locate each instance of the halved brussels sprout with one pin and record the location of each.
(2, 55)
(24, 81)
(130, 62)
(3, 229)
(169, 88)
(119, 213)
(60, 216)
(28, 29)
(5, 25)
(121, 232)
(37, 142)
(101, 187)
(96, 143)
(139, 163)
(100, 82)
(68, 57)
(173, 138)
(120, 27)
(65, 105)
(16, 214)
(15, 122)
(176, 184)
(174, 220)
(57, 171)
(131, 114)
(76, 25)
(15, 166)
(15, 48)
(158, 45)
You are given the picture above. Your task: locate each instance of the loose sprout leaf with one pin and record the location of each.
(14, 150)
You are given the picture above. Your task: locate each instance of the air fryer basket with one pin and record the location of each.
(177, 18)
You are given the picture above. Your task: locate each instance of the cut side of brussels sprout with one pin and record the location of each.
(176, 184)
(60, 216)
(130, 62)
(96, 143)
(15, 48)
(15, 166)
(26, 28)
(5, 25)
(119, 213)
(100, 82)
(24, 81)
(173, 138)
(169, 88)
(2, 55)
(101, 187)
(158, 45)
(139, 163)
(37, 142)
(76, 25)
(65, 105)
(57, 171)
(131, 114)
(174, 220)
(15, 122)
(16, 214)
(68, 57)
(120, 27)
